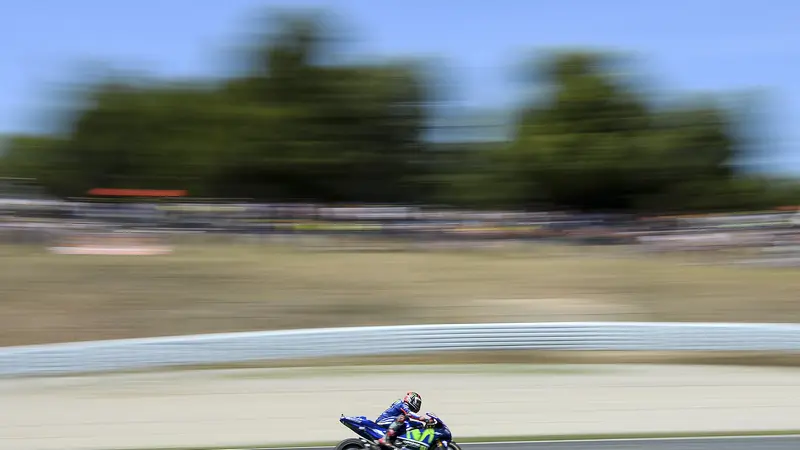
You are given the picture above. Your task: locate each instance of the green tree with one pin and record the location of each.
(301, 123)
(345, 132)
(289, 128)
(595, 142)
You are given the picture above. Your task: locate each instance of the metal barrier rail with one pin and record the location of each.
(99, 356)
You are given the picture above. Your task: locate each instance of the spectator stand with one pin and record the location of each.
(117, 222)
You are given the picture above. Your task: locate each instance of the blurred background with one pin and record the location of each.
(181, 167)
(263, 165)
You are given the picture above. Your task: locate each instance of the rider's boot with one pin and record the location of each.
(387, 441)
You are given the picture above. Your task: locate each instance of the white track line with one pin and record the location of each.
(573, 441)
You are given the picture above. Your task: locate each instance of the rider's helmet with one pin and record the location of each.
(413, 401)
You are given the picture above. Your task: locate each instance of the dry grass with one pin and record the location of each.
(508, 361)
(216, 288)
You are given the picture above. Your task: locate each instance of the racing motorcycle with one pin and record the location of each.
(436, 437)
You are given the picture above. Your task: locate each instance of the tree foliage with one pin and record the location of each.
(292, 128)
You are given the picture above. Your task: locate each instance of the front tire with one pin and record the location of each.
(453, 446)
(352, 444)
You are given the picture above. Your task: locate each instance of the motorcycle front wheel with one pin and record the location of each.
(453, 446)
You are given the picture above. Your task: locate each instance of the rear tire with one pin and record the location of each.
(352, 444)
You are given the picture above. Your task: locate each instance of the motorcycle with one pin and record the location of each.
(436, 437)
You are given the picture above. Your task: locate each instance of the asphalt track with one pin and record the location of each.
(711, 443)
(233, 408)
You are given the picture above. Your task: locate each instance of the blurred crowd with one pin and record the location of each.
(25, 220)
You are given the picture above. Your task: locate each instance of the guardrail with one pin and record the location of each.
(128, 354)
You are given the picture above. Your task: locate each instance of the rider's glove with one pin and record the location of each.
(430, 422)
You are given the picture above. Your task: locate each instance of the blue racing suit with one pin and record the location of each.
(395, 419)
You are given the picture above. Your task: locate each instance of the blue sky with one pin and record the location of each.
(684, 45)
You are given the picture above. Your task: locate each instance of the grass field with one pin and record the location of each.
(226, 287)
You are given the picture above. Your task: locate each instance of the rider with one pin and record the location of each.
(395, 418)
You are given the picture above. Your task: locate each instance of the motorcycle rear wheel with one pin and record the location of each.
(352, 444)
